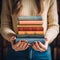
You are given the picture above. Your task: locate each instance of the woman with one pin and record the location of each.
(11, 9)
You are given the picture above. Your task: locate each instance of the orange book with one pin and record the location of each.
(30, 22)
(30, 32)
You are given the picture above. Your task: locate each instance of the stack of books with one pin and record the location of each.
(30, 28)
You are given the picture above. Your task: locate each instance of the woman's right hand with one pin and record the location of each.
(19, 46)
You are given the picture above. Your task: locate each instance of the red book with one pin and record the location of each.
(30, 28)
(30, 22)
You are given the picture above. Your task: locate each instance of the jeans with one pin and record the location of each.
(29, 54)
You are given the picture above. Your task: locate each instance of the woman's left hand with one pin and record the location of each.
(38, 46)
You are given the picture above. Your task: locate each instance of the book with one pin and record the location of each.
(29, 25)
(30, 28)
(29, 18)
(30, 36)
(31, 40)
(37, 22)
(30, 32)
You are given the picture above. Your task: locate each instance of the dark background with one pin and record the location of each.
(55, 46)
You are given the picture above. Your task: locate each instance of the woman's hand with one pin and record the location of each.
(38, 46)
(19, 46)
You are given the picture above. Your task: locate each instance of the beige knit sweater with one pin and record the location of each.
(49, 15)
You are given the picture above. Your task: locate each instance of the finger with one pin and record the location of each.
(13, 38)
(24, 41)
(42, 45)
(46, 43)
(16, 45)
(22, 44)
(27, 47)
(38, 47)
(25, 44)
(34, 47)
(18, 49)
(21, 48)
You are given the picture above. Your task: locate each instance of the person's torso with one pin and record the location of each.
(30, 9)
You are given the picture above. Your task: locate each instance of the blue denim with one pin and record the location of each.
(29, 54)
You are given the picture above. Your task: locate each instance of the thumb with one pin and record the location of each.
(12, 39)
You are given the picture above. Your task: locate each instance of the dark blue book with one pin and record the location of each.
(31, 40)
(30, 36)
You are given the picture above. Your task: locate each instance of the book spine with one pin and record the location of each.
(29, 18)
(30, 28)
(30, 22)
(30, 36)
(29, 25)
(30, 32)
(31, 40)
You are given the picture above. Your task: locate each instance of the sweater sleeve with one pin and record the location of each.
(5, 20)
(52, 19)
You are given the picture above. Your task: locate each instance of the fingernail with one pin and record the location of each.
(29, 44)
(22, 41)
(39, 41)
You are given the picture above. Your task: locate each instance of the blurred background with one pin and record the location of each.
(55, 45)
